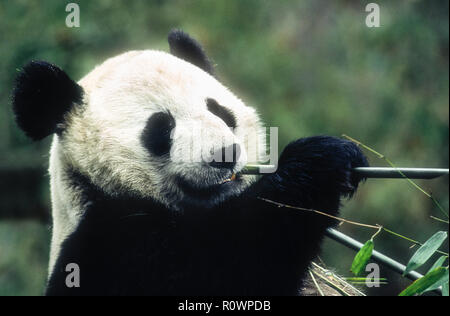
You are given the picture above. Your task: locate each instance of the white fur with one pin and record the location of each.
(102, 137)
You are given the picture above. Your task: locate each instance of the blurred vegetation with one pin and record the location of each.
(309, 67)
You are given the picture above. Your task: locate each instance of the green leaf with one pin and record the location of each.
(445, 289)
(439, 262)
(420, 285)
(425, 252)
(438, 283)
(362, 258)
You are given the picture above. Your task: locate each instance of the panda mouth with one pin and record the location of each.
(215, 189)
(232, 178)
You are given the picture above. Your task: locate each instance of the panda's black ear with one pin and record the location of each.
(43, 94)
(187, 48)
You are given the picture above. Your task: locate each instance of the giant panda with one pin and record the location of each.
(137, 220)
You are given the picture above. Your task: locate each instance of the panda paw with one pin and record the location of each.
(321, 165)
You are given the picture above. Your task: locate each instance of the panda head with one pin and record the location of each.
(146, 124)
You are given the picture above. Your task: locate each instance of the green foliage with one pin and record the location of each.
(439, 263)
(445, 289)
(425, 251)
(420, 285)
(437, 276)
(439, 283)
(362, 258)
(24, 250)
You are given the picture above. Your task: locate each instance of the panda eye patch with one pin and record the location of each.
(225, 114)
(156, 134)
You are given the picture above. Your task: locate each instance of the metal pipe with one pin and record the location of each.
(369, 172)
(399, 173)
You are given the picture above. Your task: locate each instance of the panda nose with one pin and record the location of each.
(227, 157)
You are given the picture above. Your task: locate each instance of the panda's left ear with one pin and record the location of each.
(43, 94)
(187, 48)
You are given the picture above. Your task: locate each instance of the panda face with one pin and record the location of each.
(156, 126)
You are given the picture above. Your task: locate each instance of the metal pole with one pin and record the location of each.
(398, 173)
(369, 172)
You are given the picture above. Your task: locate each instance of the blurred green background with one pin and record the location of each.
(309, 67)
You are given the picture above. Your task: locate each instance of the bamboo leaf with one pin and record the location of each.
(420, 285)
(439, 262)
(425, 251)
(445, 289)
(438, 283)
(362, 258)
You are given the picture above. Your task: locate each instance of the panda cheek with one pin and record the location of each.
(156, 136)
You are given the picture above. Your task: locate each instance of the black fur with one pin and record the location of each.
(246, 246)
(156, 134)
(225, 114)
(187, 48)
(43, 94)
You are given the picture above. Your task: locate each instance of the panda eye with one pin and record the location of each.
(156, 134)
(225, 114)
